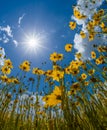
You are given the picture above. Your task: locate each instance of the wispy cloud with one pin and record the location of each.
(15, 42)
(20, 20)
(7, 29)
(6, 35)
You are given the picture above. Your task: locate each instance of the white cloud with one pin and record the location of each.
(2, 55)
(84, 46)
(7, 30)
(15, 42)
(88, 7)
(6, 35)
(20, 20)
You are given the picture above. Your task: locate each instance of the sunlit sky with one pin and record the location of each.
(47, 18)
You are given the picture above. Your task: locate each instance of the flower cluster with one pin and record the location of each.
(70, 95)
(93, 22)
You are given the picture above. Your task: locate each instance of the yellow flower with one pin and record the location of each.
(100, 49)
(4, 78)
(75, 64)
(91, 71)
(78, 15)
(102, 25)
(90, 26)
(68, 47)
(15, 80)
(72, 92)
(101, 58)
(104, 29)
(98, 61)
(93, 55)
(75, 86)
(49, 73)
(96, 21)
(57, 90)
(9, 80)
(8, 63)
(78, 56)
(37, 71)
(101, 12)
(54, 98)
(25, 66)
(56, 67)
(72, 25)
(83, 76)
(5, 70)
(53, 57)
(57, 75)
(26, 62)
(86, 83)
(45, 98)
(83, 35)
(68, 70)
(60, 56)
(91, 37)
(75, 72)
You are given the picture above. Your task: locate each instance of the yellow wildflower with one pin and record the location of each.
(83, 76)
(49, 73)
(93, 55)
(91, 37)
(56, 67)
(57, 75)
(4, 78)
(102, 25)
(68, 47)
(68, 70)
(75, 86)
(83, 35)
(104, 29)
(91, 71)
(101, 12)
(60, 56)
(78, 15)
(72, 92)
(8, 63)
(25, 66)
(86, 83)
(5, 70)
(72, 25)
(78, 56)
(98, 61)
(15, 80)
(54, 98)
(37, 71)
(55, 57)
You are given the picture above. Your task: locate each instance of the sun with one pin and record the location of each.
(34, 42)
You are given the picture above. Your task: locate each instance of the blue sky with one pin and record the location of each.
(50, 18)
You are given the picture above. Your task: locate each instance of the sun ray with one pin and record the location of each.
(34, 42)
